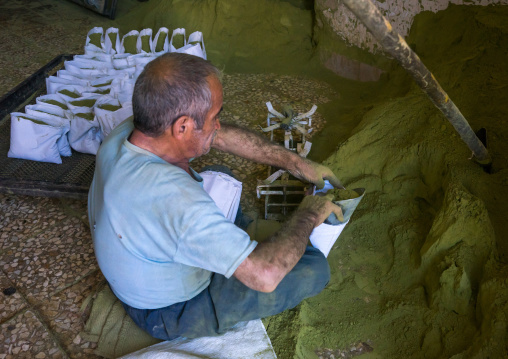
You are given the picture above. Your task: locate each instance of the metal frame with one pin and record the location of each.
(278, 196)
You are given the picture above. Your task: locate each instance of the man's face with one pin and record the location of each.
(203, 138)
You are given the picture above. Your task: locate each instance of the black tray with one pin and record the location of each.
(71, 179)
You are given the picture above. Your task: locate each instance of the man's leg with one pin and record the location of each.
(228, 301)
(234, 302)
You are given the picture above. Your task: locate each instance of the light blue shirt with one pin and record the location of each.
(157, 234)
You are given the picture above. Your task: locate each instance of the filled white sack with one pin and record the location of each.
(85, 134)
(144, 43)
(122, 88)
(32, 139)
(83, 104)
(129, 43)
(95, 57)
(92, 62)
(87, 70)
(120, 61)
(196, 40)
(91, 48)
(54, 116)
(53, 83)
(109, 117)
(70, 92)
(110, 47)
(176, 33)
(162, 37)
(52, 100)
(66, 74)
(140, 59)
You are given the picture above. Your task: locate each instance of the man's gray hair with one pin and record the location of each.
(171, 86)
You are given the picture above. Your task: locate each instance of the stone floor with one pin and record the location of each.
(48, 272)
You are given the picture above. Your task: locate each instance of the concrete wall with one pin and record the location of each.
(333, 15)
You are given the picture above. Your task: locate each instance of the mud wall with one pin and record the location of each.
(337, 30)
(333, 16)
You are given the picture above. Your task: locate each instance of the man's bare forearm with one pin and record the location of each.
(272, 259)
(252, 146)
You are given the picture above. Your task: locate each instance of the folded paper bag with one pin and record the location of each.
(323, 237)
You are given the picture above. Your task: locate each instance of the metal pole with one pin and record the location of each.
(397, 47)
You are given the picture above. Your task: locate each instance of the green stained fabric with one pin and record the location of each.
(112, 329)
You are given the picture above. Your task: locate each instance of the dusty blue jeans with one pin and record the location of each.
(228, 301)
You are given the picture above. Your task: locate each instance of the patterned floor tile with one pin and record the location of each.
(67, 311)
(11, 300)
(24, 336)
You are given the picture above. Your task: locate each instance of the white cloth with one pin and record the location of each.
(224, 190)
(245, 340)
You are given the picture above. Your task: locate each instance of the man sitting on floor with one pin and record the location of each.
(177, 264)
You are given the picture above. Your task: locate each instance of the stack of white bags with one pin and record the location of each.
(92, 94)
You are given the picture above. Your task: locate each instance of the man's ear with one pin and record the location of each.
(182, 126)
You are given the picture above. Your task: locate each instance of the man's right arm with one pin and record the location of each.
(271, 260)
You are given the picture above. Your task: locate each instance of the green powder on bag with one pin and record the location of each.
(145, 43)
(178, 41)
(95, 39)
(108, 82)
(129, 44)
(87, 116)
(110, 107)
(113, 36)
(34, 121)
(343, 194)
(69, 93)
(160, 41)
(56, 103)
(103, 91)
(84, 103)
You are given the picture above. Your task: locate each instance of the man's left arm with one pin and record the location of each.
(252, 146)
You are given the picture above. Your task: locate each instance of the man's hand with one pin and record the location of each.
(252, 146)
(272, 259)
(315, 173)
(322, 206)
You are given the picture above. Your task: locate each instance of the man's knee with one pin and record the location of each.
(318, 267)
(311, 274)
